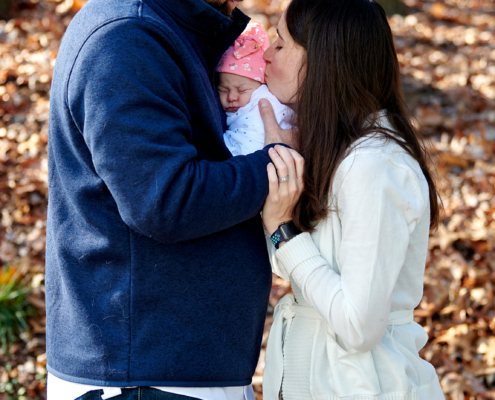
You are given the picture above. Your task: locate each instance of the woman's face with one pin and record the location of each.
(284, 59)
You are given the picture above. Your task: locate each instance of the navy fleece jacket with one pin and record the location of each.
(157, 271)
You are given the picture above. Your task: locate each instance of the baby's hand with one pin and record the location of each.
(273, 132)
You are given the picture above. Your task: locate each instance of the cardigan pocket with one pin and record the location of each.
(336, 371)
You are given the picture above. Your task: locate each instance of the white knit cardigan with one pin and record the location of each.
(350, 334)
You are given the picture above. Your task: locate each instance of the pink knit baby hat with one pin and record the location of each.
(245, 56)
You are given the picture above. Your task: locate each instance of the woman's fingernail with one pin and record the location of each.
(272, 150)
(263, 103)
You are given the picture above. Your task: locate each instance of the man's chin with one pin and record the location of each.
(226, 8)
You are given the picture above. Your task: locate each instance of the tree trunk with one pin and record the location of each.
(393, 7)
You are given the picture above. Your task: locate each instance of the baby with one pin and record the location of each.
(241, 84)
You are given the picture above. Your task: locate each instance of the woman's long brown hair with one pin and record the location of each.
(351, 72)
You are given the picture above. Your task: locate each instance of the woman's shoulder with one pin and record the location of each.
(377, 148)
(376, 141)
(377, 151)
(380, 160)
(384, 173)
(377, 161)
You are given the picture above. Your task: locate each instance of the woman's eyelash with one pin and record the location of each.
(278, 47)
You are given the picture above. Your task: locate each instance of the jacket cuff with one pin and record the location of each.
(268, 147)
(299, 256)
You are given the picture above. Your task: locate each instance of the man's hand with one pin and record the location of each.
(273, 132)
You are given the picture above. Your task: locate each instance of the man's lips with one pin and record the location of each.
(232, 109)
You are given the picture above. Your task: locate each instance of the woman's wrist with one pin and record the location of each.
(272, 226)
(285, 232)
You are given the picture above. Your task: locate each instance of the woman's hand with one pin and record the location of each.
(282, 196)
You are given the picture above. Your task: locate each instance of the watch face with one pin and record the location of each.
(289, 230)
(285, 231)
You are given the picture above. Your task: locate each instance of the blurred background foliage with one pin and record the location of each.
(14, 306)
(446, 50)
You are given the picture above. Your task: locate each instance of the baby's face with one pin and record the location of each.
(235, 91)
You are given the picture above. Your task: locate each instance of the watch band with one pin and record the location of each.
(284, 233)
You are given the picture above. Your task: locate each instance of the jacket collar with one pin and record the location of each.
(202, 18)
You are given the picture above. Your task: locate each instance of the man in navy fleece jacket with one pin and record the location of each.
(157, 272)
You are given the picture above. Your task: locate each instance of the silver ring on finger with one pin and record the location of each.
(284, 179)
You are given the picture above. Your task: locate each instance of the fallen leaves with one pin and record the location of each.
(446, 50)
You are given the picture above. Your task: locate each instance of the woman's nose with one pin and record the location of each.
(267, 54)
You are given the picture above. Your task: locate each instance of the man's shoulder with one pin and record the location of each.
(103, 28)
(111, 14)
(97, 13)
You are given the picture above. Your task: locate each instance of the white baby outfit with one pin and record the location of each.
(246, 133)
(348, 333)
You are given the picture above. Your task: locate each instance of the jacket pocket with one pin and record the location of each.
(336, 371)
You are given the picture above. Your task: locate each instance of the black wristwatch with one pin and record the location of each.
(284, 233)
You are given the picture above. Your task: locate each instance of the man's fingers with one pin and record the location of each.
(268, 116)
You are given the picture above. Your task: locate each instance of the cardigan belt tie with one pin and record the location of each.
(284, 313)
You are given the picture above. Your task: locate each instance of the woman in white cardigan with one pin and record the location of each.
(349, 220)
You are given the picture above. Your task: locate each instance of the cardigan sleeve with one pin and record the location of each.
(379, 203)
(277, 268)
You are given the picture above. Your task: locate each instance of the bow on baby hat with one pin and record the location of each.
(250, 42)
(245, 56)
